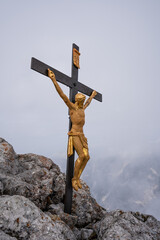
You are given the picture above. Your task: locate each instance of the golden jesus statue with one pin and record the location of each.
(77, 138)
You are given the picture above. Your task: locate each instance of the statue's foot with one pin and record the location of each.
(79, 183)
(74, 184)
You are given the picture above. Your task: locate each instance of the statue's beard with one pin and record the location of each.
(80, 104)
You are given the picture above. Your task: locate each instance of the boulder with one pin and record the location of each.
(127, 225)
(30, 175)
(85, 207)
(22, 219)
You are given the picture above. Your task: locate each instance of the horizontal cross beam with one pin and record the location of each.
(62, 78)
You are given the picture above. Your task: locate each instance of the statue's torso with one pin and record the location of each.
(78, 119)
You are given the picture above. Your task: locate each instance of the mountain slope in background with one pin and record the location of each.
(128, 185)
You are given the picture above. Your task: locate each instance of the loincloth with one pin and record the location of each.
(82, 138)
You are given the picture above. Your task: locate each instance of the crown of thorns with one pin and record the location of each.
(79, 96)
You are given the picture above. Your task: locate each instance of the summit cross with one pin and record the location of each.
(74, 86)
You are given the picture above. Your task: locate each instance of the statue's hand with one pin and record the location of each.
(94, 93)
(51, 74)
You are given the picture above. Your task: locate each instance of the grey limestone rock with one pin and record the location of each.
(32, 191)
(1, 188)
(39, 179)
(86, 207)
(4, 236)
(121, 225)
(57, 209)
(87, 234)
(30, 175)
(20, 218)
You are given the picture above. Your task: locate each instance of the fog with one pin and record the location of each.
(120, 57)
(130, 186)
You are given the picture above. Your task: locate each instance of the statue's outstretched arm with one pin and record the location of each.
(59, 90)
(94, 93)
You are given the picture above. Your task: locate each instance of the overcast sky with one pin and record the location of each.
(120, 57)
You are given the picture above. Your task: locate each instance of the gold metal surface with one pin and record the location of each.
(77, 138)
(70, 146)
(76, 55)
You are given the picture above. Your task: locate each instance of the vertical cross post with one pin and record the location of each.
(70, 160)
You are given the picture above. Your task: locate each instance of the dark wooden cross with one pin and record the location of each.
(75, 86)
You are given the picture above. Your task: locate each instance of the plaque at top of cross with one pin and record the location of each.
(77, 105)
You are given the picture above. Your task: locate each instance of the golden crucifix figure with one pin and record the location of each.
(77, 138)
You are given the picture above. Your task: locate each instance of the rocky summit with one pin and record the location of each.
(32, 191)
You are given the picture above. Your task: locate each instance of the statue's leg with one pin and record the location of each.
(81, 157)
(87, 157)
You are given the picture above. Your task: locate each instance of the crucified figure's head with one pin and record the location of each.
(79, 99)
